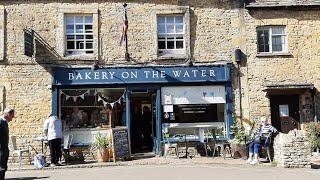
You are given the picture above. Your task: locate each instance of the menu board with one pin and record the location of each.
(121, 145)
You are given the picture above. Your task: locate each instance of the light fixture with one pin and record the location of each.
(95, 66)
(189, 63)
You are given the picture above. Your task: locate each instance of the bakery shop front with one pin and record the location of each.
(147, 100)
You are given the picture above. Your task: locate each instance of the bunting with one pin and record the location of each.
(100, 98)
(74, 98)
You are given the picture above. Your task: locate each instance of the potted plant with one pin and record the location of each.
(102, 146)
(241, 136)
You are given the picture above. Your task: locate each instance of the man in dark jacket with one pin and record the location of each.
(8, 114)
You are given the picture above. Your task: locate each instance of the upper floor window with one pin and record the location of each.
(79, 34)
(171, 33)
(272, 39)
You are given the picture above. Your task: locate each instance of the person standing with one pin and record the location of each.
(8, 115)
(52, 128)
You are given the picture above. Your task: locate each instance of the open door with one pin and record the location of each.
(285, 112)
(142, 122)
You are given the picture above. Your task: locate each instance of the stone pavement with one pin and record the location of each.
(171, 161)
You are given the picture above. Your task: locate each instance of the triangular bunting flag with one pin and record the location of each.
(112, 104)
(82, 96)
(67, 97)
(74, 98)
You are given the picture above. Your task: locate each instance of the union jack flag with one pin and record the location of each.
(124, 29)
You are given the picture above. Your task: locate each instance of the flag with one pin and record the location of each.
(124, 28)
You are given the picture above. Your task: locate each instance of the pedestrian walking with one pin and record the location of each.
(52, 128)
(8, 115)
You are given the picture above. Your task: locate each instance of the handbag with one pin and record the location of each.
(257, 139)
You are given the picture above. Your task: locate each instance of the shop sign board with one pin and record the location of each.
(132, 75)
(121, 144)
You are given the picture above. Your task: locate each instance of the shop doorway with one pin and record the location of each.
(285, 112)
(143, 121)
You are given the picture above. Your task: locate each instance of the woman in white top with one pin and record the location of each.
(52, 128)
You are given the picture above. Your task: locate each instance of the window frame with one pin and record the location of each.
(61, 42)
(185, 12)
(174, 35)
(270, 36)
(75, 34)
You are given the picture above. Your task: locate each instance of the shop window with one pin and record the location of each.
(79, 34)
(272, 39)
(171, 34)
(191, 119)
(88, 108)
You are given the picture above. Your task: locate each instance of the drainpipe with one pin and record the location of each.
(238, 58)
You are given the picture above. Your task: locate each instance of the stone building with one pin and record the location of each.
(282, 77)
(180, 75)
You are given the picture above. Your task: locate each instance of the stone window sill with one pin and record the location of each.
(84, 57)
(274, 55)
(172, 57)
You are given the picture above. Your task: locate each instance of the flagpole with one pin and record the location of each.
(127, 56)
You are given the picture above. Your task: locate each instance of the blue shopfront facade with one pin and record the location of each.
(145, 79)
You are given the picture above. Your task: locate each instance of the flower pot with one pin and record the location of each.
(103, 155)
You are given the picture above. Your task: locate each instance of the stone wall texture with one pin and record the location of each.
(292, 150)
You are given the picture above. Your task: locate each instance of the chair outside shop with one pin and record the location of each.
(19, 149)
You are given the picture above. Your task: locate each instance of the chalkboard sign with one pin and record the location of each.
(121, 145)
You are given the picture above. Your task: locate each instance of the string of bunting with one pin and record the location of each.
(74, 98)
(111, 103)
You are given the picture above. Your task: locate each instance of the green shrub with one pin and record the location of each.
(313, 134)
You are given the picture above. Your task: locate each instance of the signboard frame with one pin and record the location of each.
(115, 143)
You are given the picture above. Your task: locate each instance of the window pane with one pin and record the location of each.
(170, 28)
(161, 19)
(170, 45)
(161, 44)
(70, 36)
(170, 20)
(79, 44)
(69, 19)
(88, 28)
(179, 28)
(179, 19)
(277, 30)
(276, 43)
(89, 45)
(70, 29)
(88, 19)
(79, 28)
(161, 28)
(79, 19)
(89, 36)
(79, 37)
(70, 45)
(179, 45)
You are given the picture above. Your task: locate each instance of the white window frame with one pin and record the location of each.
(271, 34)
(168, 55)
(76, 50)
(174, 35)
(65, 10)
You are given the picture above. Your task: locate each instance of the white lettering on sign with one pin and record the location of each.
(125, 75)
(142, 75)
(71, 76)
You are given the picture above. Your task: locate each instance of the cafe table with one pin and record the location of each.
(43, 140)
